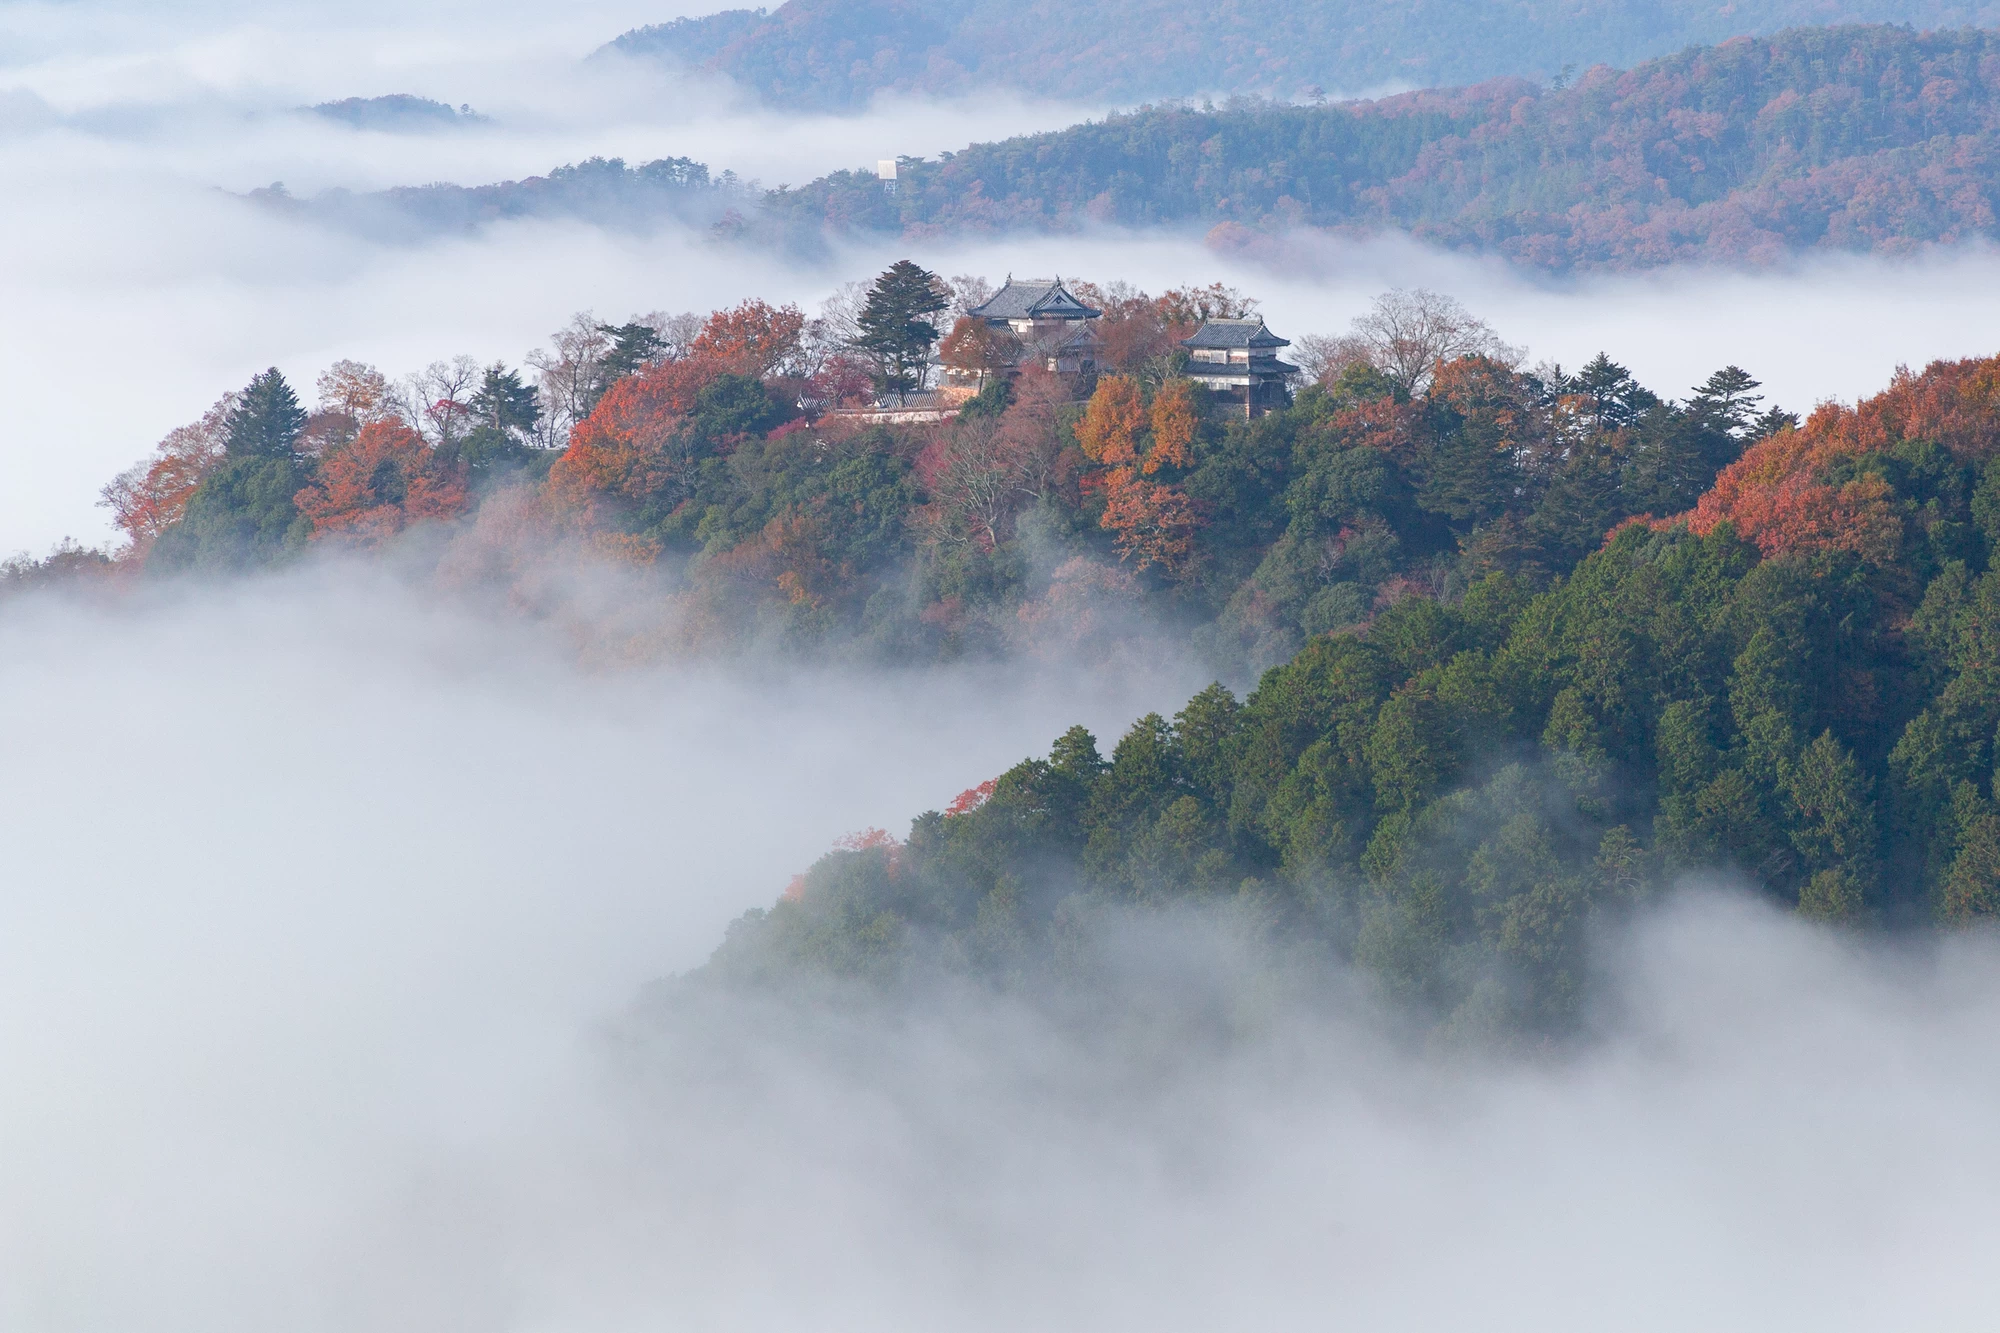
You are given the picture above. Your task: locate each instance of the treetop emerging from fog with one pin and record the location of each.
(1527, 642)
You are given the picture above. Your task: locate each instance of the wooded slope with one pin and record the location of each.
(826, 54)
(1854, 139)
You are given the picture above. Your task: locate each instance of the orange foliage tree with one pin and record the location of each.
(754, 338)
(150, 496)
(971, 798)
(1154, 522)
(631, 449)
(1112, 420)
(1785, 494)
(974, 347)
(1175, 419)
(380, 483)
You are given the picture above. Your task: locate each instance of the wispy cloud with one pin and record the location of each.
(327, 905)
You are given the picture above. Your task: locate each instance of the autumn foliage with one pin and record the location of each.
(631, 447)
(150, 497)
(971, 798)
(1152, 520)
(754, 338)
(1788, 492)
(384, 480)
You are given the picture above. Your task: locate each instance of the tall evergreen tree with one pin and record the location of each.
(633, 347)
(243, 515)
(1725, 400)
(897, 331)
(504, 403)
(267, 422)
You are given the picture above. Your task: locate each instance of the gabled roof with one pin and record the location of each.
(1033, 298)
(1235, 333)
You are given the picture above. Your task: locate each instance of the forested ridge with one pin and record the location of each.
(732, 459)
(827, 54)
(1851, 139)
(1539, 641)
(1795, 685)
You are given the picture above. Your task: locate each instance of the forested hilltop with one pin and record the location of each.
(747, 462)
(1857, 138)
(1798, 682)
(1539, 640)
(830, 54)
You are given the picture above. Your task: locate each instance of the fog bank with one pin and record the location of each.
(328, 908)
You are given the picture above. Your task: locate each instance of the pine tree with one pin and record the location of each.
(896, 329)
(504, 403)
(267, 420)
(1724, 399)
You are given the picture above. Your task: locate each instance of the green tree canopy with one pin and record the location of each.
(897, 329)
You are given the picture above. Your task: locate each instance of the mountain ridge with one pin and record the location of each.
(1857, 138)
(829, 54)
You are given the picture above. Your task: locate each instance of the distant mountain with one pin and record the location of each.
(398, 113)
(602, 191)
(1857, 138)
(838, 53)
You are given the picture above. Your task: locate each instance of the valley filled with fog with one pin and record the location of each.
(325, 947)
(342, 905)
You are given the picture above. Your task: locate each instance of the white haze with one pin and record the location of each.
(322, 897)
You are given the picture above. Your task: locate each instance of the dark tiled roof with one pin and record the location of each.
(1234, 333)
(1033, 298)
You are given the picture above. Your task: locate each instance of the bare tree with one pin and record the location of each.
(968, 291)
(567, 375)
(1034, 427)
(1408, 333)
(355, 389)
(975, 471)
(677, 332)
(1322, 358)
(439, 398)
(840, 313)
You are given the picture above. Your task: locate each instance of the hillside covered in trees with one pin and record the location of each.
(1794, 683)
(829, 54)
(731, 458)
(1517, 648)
(1846, 139)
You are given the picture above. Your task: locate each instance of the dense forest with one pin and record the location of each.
(829, 54)
(1794, 683)
(733, 458)
(1518, 647)
(1860, 138)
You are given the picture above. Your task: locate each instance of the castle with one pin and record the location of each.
(1041, 321)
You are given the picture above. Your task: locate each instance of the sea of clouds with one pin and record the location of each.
(328, 901)
(329, 907)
